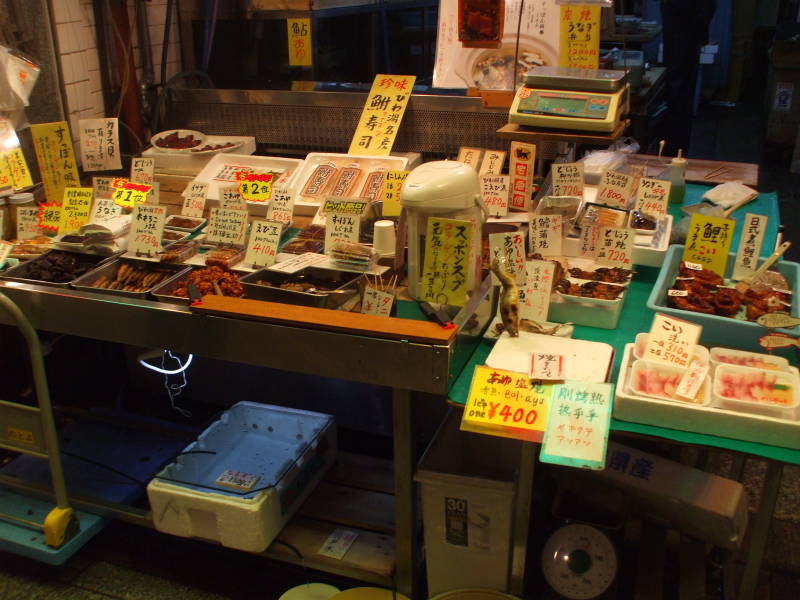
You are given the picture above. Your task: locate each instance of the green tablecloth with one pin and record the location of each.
(636, 317)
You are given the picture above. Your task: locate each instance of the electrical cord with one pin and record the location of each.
(104, 466)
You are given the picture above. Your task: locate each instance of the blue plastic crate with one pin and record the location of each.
(717, 330)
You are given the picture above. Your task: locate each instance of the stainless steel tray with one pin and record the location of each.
(323, 299)
(20, 272)
(163, 292)
(110, 268)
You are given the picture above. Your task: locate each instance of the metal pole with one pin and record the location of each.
(522, 516)
(405, 498)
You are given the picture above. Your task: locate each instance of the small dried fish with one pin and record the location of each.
(509, 297)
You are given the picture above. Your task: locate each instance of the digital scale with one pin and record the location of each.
(574, 99)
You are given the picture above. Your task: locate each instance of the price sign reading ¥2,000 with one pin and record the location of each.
(142, 170)
(506, 404)
(281, 205)
(545, 235)
(708, 241)
(494, 193)
(194, 201)
(49, 216)
(227, 226)
(672, 340)
(128, 194)
(392, 185)
(76, 209)
(262, 247)
(299, 38)
(615, 189)
(383, 112)
(652, 197)
(27, 222)
(147, 226)
(377, 302)
(615, 246)
(567, 179)
(577, 424)
(255, 187)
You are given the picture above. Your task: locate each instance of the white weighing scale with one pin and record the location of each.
(573, 99)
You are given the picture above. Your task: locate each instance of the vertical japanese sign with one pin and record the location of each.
(534, 296)
(470, 156)
(377, 302)
(76, 208)
(341, 227)
(589, 239)
(53, 145)
(262, 247)
(281, 205)
(27, 222)
(567, 179)
(492, 163)
(11, 157)
(652, 197)
(511, 247)
(672, 340)
(142, 170)
(579, 44)
(103, 187)
(577, 425)
(494, 193)
(227, 226)
(615, 246)
(545, 235)
(708, 242)
(194, 203)
(391, 192)
(299, 39)
(146, 229)
(382, 115)
(99, 144)
(520, 170)
(753, 228)
(615, 189)
(506, 404)
(230, 196)
(446, 265)
(6, 180)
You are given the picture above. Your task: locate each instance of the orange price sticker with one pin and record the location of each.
(127, 193)
(49, 216)
(255, 187)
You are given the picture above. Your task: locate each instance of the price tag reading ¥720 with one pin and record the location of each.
(506, 404)
(577, 425)
(392, 185)
(494, 193)
(615, 246)
(76, 209)
(652, 197)
(708, 241)
(377, 302)
(147, 226)
(262, 247)
(281, 205)
(567, 179)
(255, 187)
(27, 222)
(142, 170)
(127, 193)
(227, 226)
(545, 235)
(615, 189)
(672, 340)
(511, 248)
(194, 203)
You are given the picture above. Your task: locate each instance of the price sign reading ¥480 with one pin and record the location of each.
(146, 228)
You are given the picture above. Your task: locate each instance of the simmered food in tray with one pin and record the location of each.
(224, 257)
(211, 280)
(129, 277)
(590, 289)
(178, 252)
(308, 281)
(56, 266)
(604, 274)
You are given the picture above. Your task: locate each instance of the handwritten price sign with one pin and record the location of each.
(255, 187)
(534, 296)
(545, 235)
(75, 209)
(377, 302)
(615, 246)
(263, 244)
(227, 226)
(281, 205)
(195, 201)
(146, 229)
(494, 192)
(672, 340)
(615, 189)
(567, 179)
(27, 222)
(708, 242)
(142, 170)
(127, 193)
(652, 197)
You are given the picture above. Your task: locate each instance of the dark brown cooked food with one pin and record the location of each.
(176, 142)
(208, 147)
(642, 221)
(604, 274)
(60, 267)
(172, 236)
(184, 222)
(204, 279)
(304, 283)
(132, 278)
(590, 289)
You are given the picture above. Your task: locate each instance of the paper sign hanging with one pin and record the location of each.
(227, 226)
(494, 193)
(615, 246)
(534, 295)
(652, 197)
(392, 186)
(27, 222)
(506, 404)
(521, 170)
(444, 274)
(492, 163)
(579, 39)
(567, 179)
(53, 145)
(262, 247)
(470, 156)
(49, 216)
(750, 241)
(299, 40)
(672, 340)
(615, 189)
(545, 235)
(382, 115)
(708, 242)
(147, 227)
(76, 209)
(281, 205)
(577, 425)
(341, 227)
(142, 170)
(194, 202)
(508, 247)
(99, 143)
(377, 302)
(128, 194)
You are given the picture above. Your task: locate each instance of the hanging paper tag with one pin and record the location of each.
(753, 228)
(708, 242)
(281, 205)
(492, 163)
(672, 340)
(262, 247)
(76, 209)
(545, 235)
(147, 227)
(142, 170)
(377, 302)
(195, 201)
(299, 39)
(444, 274)
(227, 226)
(534, 296)
(99, 144)
(615, 246)
(567, 179)
(508, 247)
(383, 112)
(494, 193)
(652, 197)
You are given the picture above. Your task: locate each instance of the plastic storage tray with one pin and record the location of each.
(287, 450)
(718, 330)
(702, 419)
(347, 288)
(20, 272)
(109, 269)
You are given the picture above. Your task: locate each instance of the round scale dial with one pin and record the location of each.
(579, 562)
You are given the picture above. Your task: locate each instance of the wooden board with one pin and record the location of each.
(350, 507)
(697, 170)
(364, 472)
(533, 135)
(424, 332)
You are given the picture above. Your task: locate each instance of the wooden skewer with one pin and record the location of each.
(716, 172)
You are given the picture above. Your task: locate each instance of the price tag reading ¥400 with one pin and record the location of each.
(128, 194)
(262, 247)
(504, 403)
(615, 189)
(281, 205)
(652, 197)
(255, 187)
(76, 209)
(227, 226)
(567, 179)
(494, 193)
(615, 246)
(392, 185)
(194, 203)
(146, 229)
(672, 340)
(377, 302)
(27, 222)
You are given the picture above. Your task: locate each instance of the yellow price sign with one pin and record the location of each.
(708, 242)
(391, 192)
(76, 209)
(299, 36)
(505, 403)
(53, 145)
(446, 266)
(383, 112)
(20, 172)
(6, 180)
(255, 187)
(129, 194)
(49, 216)
(579, 36)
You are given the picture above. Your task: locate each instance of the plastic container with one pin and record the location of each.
(676, 174)
(747, 359)
(592, 312)
(443, 189)
(15, 201)
(245, 476)
(742, 396)
(641, 374)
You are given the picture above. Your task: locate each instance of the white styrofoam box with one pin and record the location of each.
(168, 163)
(735, 401)
(289, 450)
(592, 312)
(710, 420)
(467, 486)
(219, 162)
